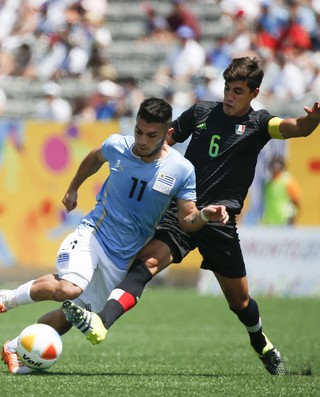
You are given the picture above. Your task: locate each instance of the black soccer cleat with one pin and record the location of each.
(273, 362)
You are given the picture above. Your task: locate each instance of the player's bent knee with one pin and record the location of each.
(237, 305)
(66, 290)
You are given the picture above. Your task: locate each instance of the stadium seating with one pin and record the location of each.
(130, 55)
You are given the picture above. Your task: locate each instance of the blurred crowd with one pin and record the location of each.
(49, 40)
(284, 33)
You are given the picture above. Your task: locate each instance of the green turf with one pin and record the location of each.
(175, 343)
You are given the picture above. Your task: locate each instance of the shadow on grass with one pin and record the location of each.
(303, 372)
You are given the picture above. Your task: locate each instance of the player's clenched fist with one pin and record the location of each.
(215, 213)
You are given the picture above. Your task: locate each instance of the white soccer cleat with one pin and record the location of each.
(6, 303)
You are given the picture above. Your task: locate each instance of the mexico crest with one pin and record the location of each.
(240, 129)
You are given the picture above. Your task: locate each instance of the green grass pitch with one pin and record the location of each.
(176, 343)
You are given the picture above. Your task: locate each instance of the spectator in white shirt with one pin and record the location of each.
(184, 61)
(52, 106)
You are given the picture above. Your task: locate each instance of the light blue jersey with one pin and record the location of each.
(134, 198)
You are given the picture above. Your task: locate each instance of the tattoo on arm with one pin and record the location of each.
(194, 218)
(190, 219)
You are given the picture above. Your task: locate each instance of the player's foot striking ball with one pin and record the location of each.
(87, 322)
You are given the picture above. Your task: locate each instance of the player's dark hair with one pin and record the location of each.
(246, 69)
(155, 110)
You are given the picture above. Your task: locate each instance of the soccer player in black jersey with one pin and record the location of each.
(226, 138)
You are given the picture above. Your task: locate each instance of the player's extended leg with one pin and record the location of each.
(121, 299)
(153, 258)
(246, 308)
(76, 254)
(9, 299)
(47, 287)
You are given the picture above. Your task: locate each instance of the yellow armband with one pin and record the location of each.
(274, 128)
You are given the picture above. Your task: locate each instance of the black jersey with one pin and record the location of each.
(223, 150)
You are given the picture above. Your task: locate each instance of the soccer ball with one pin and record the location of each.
(39, 346)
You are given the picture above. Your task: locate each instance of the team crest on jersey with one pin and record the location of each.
(118, 165)
(240, 129)
(164, 183)
(63, 260)
(202, 126)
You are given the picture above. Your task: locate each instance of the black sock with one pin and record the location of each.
(249, 316)
(127, 293)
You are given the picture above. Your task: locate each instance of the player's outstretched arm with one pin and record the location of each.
(301, 126)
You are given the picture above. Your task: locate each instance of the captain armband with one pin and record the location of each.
(274, 128)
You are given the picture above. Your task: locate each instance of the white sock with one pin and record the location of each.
(22, 293)
(12, 345)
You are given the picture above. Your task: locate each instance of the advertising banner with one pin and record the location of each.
(37, 163)
(282, 261)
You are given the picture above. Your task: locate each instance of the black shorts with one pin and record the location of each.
(218, 244)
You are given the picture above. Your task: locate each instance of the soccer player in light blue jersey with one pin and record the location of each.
(145, 175)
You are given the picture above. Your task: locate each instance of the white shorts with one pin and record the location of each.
(82, 261)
